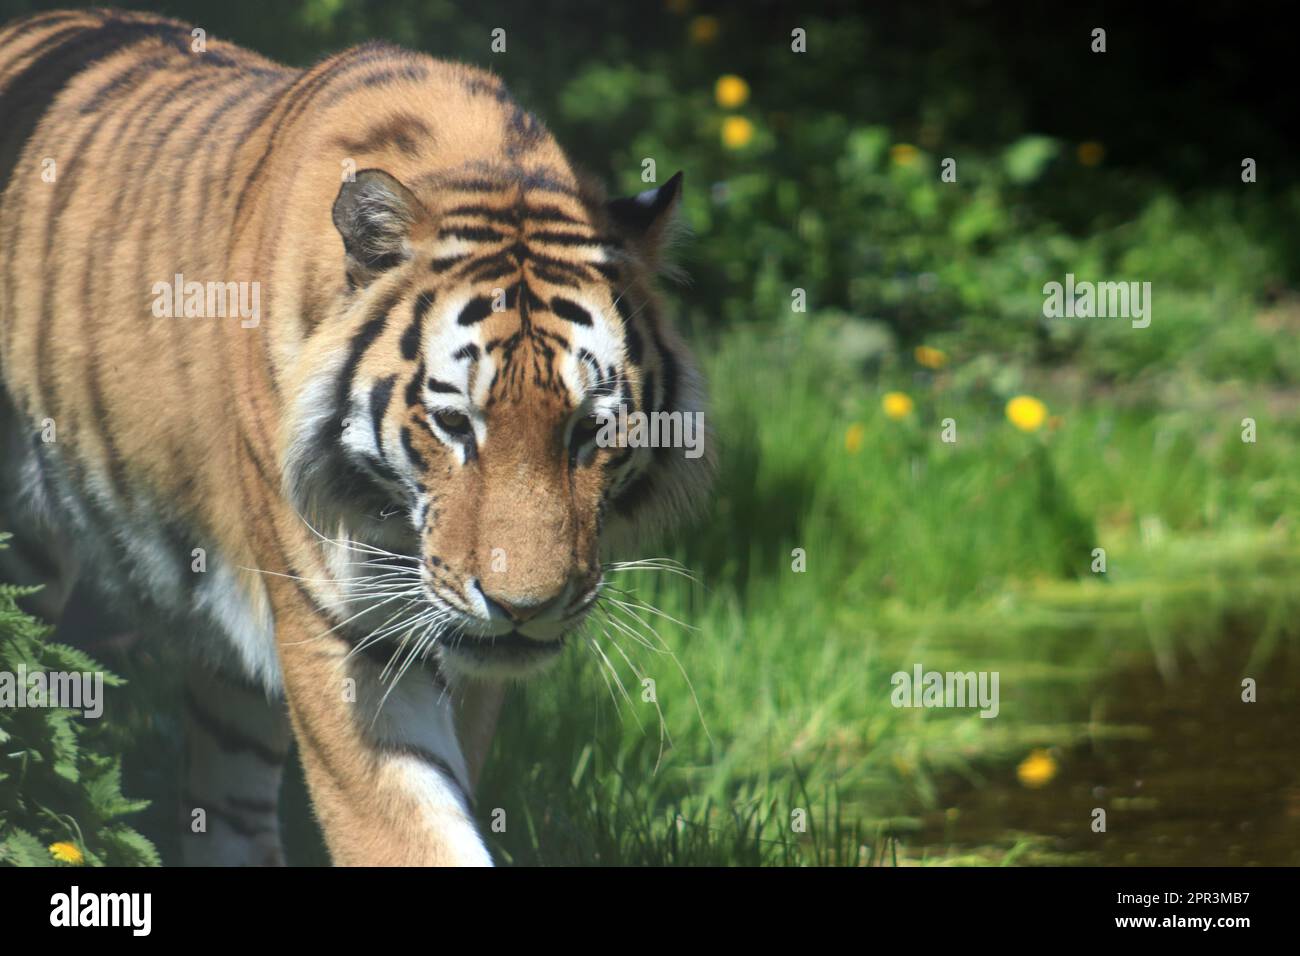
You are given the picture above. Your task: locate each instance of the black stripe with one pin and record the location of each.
(549, 214)
(263, 474)
(472, 233)
(378, 472)
(411, 72)
(232, 820)
(380, 396)
(547, 180)
(401, 131)
(416, 458)
(99, 98)
(230, 739)
(631, 337)
(476, 310)
(36, 21)
(524, 131)
(472, 185)
(469, 351)
(412, 336)
(580, 269)
(570, 311)
(555, 278)
(427, 756)
(413, 387)
(439, 386)
(509, 215)
(497, 267)
(489, 87)
(361, 341)
(441, 265)
(572, 239)
(251, 806)
(667, 367)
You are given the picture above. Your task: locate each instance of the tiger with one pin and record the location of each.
(363, 483)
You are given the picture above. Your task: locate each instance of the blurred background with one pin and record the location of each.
(847, 541)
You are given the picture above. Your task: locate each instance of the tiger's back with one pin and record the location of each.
(107, 169)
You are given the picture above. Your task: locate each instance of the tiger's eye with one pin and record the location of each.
(586, 429)
(455, 422)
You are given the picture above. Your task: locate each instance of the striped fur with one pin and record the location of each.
(388, 468)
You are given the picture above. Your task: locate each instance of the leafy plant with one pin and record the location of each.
(61, 794)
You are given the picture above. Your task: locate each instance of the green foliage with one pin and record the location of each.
(58, 781)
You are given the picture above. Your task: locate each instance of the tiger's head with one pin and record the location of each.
(465, 435)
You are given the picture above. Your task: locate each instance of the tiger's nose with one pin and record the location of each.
(522, 607)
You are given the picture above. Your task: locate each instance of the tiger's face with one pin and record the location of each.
(494, 339)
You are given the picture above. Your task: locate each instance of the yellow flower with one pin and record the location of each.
(1037, 770)
(897, 405)
(737, 132)
(730, 91)
(704, 30)
(853, 438)
(929, 357)
(903, 154)
(67, 853)
(1026, 413)
(1090, 153)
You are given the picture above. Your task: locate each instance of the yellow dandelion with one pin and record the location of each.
(897, 405)
(853, 438)
(904, 154)
(67, 853)
(704, 30)
(737, 132)
(1036, 770)
(930, 357)
(731, 91)
(1026, 413)
(1090, 153)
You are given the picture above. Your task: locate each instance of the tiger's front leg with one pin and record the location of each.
(386, 774)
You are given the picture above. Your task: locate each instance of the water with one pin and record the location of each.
(1216, 782)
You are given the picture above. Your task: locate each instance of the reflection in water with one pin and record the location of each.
(1216, 782)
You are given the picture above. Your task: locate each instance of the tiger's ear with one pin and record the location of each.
(376, 216)
(648, 220)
